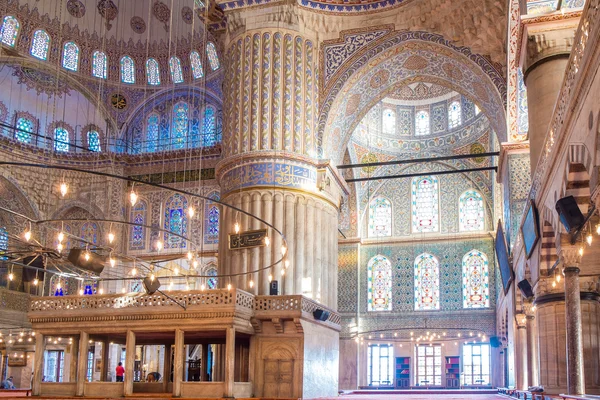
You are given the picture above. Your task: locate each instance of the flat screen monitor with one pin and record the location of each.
(506, 271)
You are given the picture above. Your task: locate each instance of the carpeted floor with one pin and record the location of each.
(432, 396)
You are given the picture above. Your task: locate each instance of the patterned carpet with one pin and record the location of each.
(432, 396)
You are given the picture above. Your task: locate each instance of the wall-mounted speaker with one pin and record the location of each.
(569, 213)
(525, 288)
(150, 285)
(95, 263)
(321, 315)
(38, 264)
(274, 288)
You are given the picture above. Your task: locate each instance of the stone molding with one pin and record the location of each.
(546, 42)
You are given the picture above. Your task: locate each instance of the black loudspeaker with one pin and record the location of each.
(526, 289)
(321, 315)
(495, 341)
(38, 264)
(150, 285)
(274, 288)
(95, 263)
(569, 213)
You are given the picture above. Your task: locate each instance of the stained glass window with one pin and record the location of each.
(175, 67)
(59, 286)
(9, 31)
(99, 67)
(93, 138)
(388, 121)
(180, 125)
(197, 71)
(427, 282)
(380, 217)
(70, 56)
(61, 139)
(211, 283)
(425, 204)
(89, 232)
(3, 243)
(422, 123)
(454, 115)
(40, 44)
(127, 70)
(379, 282)
(135, 286)
(153, 72)
(211, 221)
(522, 107)
(470, 211)
(209, 127)
(213, 58)
(24, 130)
(475, 276)
(137, 239)
(152, 133)
(176, 221)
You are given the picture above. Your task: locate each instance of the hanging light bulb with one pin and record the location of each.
(133, 197)
(589, 239)
(152, 277)
(202, 287)
(36, 281)
(61, 237)
(189, 255)
(282, 271)
(87, 256)
(229, 286)
(236, 228)
(191, 212)
(123, 290)
(267, 241)
(159, 245)
(111, 237)
(134, 271)
(187, 286)
(27, 235)
(101, 291)
(195, 264)
(59, 247)
(270, 277)
(63, 189)
(176, 271)
(112, 262)
(581, 251)
(11, 276)
(598, 229)
(286, 263)
(81, 292)
(170, 285)
(558, 278)
(553, 284)
(251, 283)
(283, 250)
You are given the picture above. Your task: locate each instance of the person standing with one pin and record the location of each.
(120, 372)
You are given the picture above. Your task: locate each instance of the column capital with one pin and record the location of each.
(547, 41)
(571, 271)
(569, 255)
(521, 320)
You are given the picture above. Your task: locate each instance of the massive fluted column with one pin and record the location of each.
(270, 167)
(547, 53)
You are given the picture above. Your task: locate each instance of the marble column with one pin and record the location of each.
(229, 361)
(129, 363)
(74, 360)
(547, 53)
(178, 362)
(521, 353)
(575, 371)
(104, 371)
(203, 362)
(38, 364)
(167, 367)
(532, 352)
(82, 363)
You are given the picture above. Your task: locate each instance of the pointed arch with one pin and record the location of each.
(152, 129)
(211, 270)
(475, 278)
(454, 114)
(176, 220)
(180, 126)
(137, 233)
(427, 282)
(211, 220)
(425, 207)
(379, 284)
(380, 217)
(471, 215)
(89, 232)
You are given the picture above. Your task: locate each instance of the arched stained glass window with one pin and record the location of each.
(138, 214)
(135, 286)
(70, 56)
(176, 72)
(176, 221)
(3, 243)
(213, 57)
(61, 139)
(127, 70)
(180, 125)
(40, 44)
(380, 217)
(425, 204)
(196, 63)
(422, 123)
(470, 212)
(99, 65)
(379, 284)
(9, 31)
(388, 121)
(475, 275)
(24, 130)
(209, 128)
(152, 72)
(93, 139)
(89, 232)
(454, 115)
(152, 133)
(211, 283)
(211, 221)
(59, 286)
(427, 282)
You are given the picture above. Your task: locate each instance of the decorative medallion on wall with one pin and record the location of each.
(41, 81)
(368, 159)
(477, 148)
(118, 101)
(187, 15)
(162, 13)
(138, 25)
(76, 8)
(108, 10)
(415, 63)
(380, 79)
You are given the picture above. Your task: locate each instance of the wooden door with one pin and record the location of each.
(278, 378)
